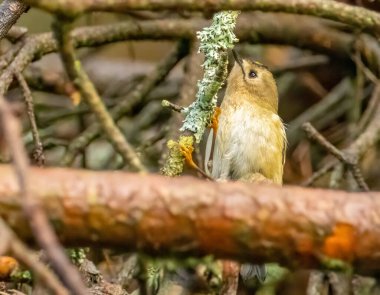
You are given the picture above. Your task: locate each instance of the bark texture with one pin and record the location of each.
(186, 216)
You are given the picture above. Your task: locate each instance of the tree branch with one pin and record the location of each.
(10, 11)
(83, 83)
(37, 219)
(126, 104)
(260, 28)
(357, 17)
(38, 152)
(27, 257)
(187, 216)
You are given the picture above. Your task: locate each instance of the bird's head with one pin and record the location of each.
(253, 81)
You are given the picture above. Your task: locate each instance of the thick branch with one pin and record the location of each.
(358, 17)
(186, 216)
(10, 11)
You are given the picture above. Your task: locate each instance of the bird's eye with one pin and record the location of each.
(252, 74)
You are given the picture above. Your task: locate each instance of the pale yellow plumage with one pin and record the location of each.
(251, 139)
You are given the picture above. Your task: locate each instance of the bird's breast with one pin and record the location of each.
(255, 140)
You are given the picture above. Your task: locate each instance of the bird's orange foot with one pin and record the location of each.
(187, 152)
(215, 120)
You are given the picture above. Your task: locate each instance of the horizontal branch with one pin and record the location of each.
(187, 216)
(259, 28)
(356, 16)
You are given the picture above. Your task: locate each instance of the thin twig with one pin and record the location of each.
(319, 138)
(174, 107)
(302, 64)
(16, 33)
(230, 277)
(349, 159)
(88, 92)
(38, 221)
(7, 57)
(128, 102)
(38, 152)
(318, 174)
(27, 257)
(317, 110)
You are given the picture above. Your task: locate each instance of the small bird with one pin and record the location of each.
(250, 140)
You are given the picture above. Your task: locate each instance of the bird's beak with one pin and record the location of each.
(238, 60)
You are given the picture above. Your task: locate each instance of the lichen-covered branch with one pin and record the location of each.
(215, 41)
(188, 216)
(357, 17)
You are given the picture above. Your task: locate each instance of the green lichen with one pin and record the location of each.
(22, 276)
(175, 162)
(77, 255)
(215, 41)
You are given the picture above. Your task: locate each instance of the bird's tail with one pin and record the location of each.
(248, 271)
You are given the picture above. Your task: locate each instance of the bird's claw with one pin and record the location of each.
(215, 119)
(187, 152)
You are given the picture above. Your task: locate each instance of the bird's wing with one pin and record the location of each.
(221, 162)
(285, 144)
(209, 145)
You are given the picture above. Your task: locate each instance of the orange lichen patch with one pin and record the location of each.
(215, 119)
(7, 266)
(340, 244)
(220, 241)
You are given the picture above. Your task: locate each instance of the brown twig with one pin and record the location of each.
(27, 257)
(348, 159)
(10, 11)
(37, 219)
(89, 93)
(50, 80)
(38, 152)
(301, 64)
(7, 58)
(230, 277)
(174, 107)
(318, 110)
(16, 33)
(127, 103)
(321, 172)
(370, 109)
(366, 139)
